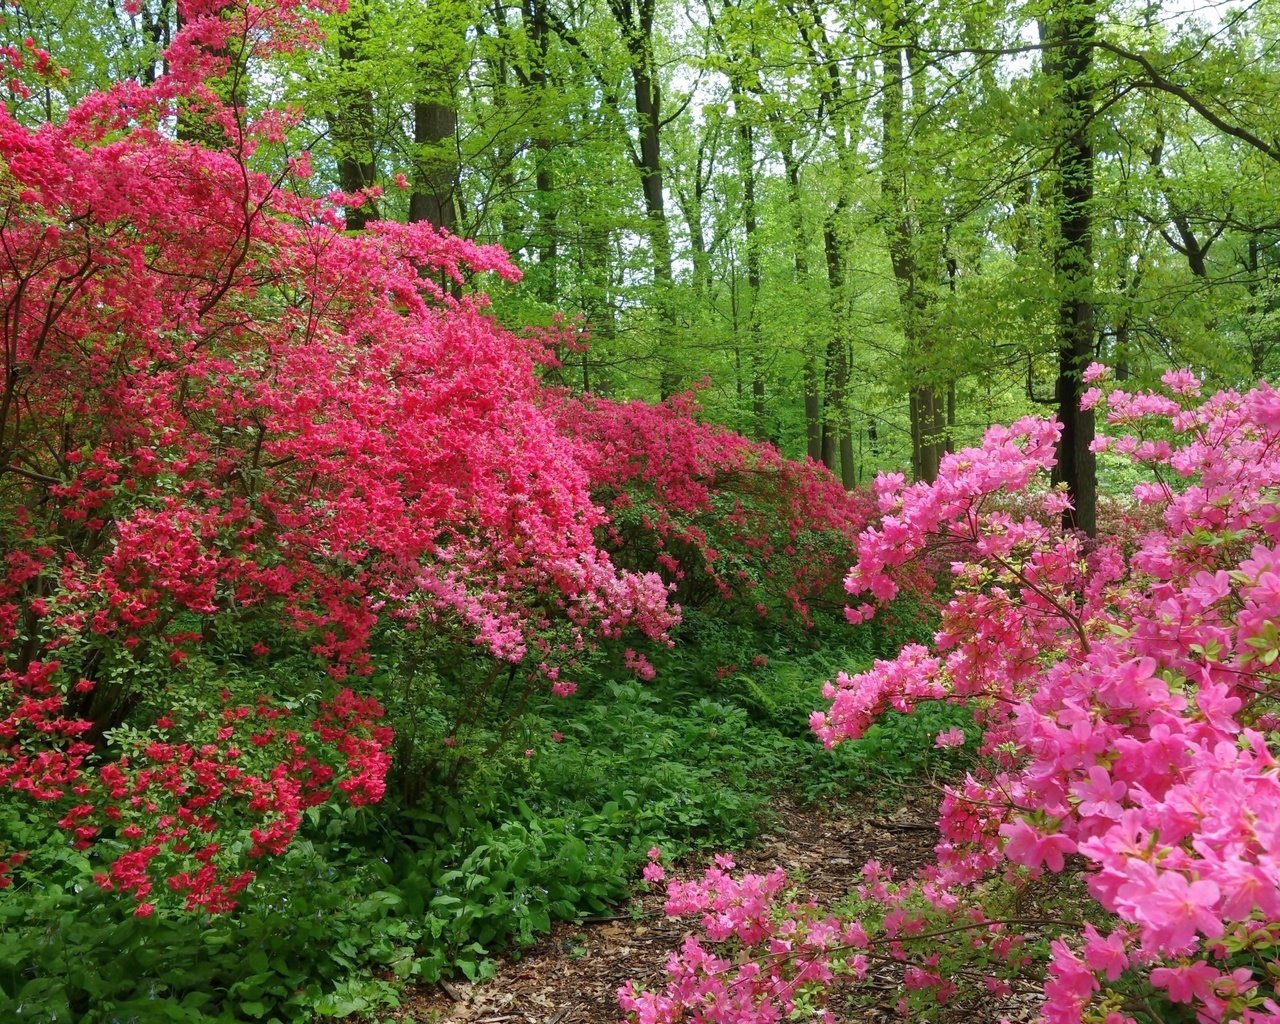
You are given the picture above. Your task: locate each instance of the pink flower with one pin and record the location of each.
(1180, 382)
(1184, 983)
(1026, 846)
(1098, 794)
(1176, 910)
(1107, 955)
(953, 737)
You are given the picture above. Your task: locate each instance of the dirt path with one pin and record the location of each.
(572, 975)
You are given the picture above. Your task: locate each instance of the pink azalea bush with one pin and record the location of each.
(793, 968)
(1127, 691)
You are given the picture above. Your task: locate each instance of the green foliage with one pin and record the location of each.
(657, 768)
(337, 926)
(316, 940)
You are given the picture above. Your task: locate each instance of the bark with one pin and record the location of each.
(928, 427)
(800, 243)
(1074, 29)
(157, 29)
(351, 126)
(548, 246)
(837, 440)
(636, 22)
(747, 172)
(232, 89)
(433, 200)
(691, 202)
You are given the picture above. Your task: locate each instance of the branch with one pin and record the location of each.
(39, 478)
(1157, 81)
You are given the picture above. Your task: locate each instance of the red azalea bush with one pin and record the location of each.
(1128, 696)
(724, 518)
(224, 421)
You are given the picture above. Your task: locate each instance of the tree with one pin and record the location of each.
(1070, 32)
(911, 255)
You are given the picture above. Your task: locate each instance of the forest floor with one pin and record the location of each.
(571, 976)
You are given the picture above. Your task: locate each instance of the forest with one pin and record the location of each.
(595, 511)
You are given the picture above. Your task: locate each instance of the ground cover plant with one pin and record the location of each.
(368, 900)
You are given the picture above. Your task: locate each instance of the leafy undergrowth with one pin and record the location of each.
(552, 825)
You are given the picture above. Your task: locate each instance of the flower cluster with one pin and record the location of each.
(778, 958)
(724, 518)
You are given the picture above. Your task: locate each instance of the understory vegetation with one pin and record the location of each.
(479, 851)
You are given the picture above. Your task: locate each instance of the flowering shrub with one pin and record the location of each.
(1128, 695)
(723, 517)
(224, 423)
(790, 972)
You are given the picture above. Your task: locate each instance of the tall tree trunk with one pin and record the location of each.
(1071, 33)
(546, 241)
(837, 435)
(351, 125)
(232, 89)
(157, 29)
(747, 173)
(800, 243)
(1260, 336)
(636, 23)
(595, 276)
(927, 417)
(691, 204)
(435, 125)
(837, 440)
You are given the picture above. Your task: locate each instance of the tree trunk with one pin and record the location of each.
(837, 440)
(835, 414)
(435, 183)
(747, 172)
(927, 424)
(800, 243)
(157, 29)
(232, 89)
(351, 125)
(1071, 32)
(546, 240)
(636, 24)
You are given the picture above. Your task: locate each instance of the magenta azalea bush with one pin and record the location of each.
(223, 419)
(728, 521)
(1127, 692)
